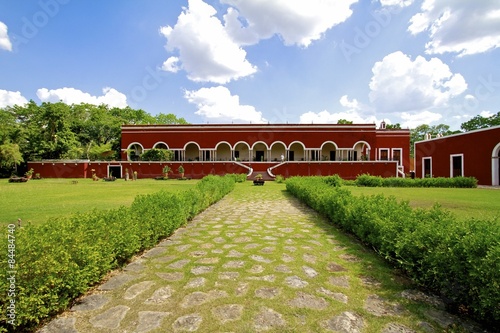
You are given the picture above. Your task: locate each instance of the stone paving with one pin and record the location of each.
(262, 262)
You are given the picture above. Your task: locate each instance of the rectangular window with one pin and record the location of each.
(427, 167)
(384, 154)
(457, 165)
(396, 156)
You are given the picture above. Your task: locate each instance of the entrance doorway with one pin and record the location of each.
(457, 166)
(333, 155)
(427, 166)
(259, 155)
(115, 171)
(291, 155)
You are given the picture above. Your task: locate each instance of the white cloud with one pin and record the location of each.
(11, 98)
(206, 51)
(171, 65)
(399, 84)
(356, 112)
(400, 3)
(218, 104)
(412, 120)
(4, 37)
(463, 27)
(296, 21)
(111, 97)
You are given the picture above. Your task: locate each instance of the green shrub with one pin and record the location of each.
(238, 177)
(279, 179)
(457, 259)
(61, 259)
(377, 181)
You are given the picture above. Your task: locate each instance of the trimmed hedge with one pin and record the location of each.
(460, 260)
(59, 260)
(377, 181)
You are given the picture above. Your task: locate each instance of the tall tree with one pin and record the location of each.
(419, 132)
(481, 122)
(169, 119)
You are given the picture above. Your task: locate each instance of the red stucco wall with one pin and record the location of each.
(476, 146)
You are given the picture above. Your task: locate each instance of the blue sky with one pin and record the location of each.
(411, 62)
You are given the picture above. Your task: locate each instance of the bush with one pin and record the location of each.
(377, 181)
(61, 259)
(279, 179)
(238, 178)
(460, 260)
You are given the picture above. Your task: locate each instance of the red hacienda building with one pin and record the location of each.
(281, 149)
(471, 154)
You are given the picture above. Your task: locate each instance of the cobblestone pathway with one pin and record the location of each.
(259, 262)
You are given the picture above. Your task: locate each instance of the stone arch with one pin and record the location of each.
(242, 151)
(296, 151)
(361, 151)
(260, 151)
(223, 151)
(192, 151)
(160, 145)
(495, 166)
(329, 149)
(134, 151)
(278, 148)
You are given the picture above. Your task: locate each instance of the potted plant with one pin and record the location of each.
(135, 175)
(258, 180)
(29, 173)
(181, 171)
(166, 169)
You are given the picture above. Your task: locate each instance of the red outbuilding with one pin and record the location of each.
(471, 154)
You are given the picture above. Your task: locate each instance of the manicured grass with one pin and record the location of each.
(38, 200)
(483, 203)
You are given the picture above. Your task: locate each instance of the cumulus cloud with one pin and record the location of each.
(400, 84)
(296, 21)
(206, 51)
(354, 111)
(400, 3)
(412, 120)
(11, 98)
(110, 96)
(171, 65)
(218, 104)
(5, 42)
(463, 27)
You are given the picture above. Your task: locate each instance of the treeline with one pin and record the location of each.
(61, 131)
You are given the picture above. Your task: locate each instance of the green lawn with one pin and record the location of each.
(482, 203)
(38, 200)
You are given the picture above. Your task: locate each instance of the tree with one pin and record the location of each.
(395, 126)
(10, 155)
(481, 122)
(418, 133)
(169, 119)
(344, 121)
(156, 154)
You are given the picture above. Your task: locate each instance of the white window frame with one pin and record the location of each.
(388, 150)
(423, 165)
(400, 161)
(461, 167)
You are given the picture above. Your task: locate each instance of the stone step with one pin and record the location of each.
(264, 174)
